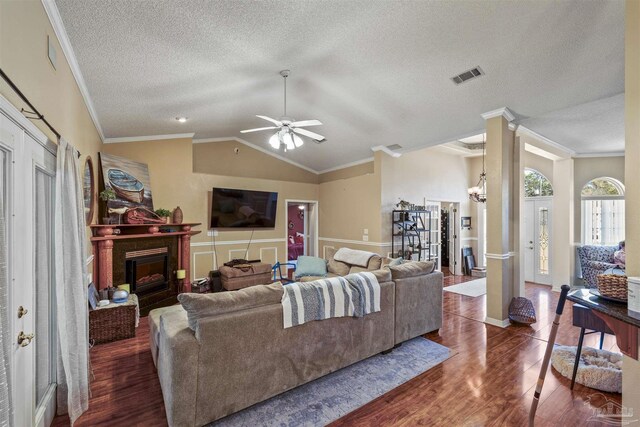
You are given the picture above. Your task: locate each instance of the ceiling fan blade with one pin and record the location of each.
(258, 129)
(312, 135)
(303, 123)
(269, 119)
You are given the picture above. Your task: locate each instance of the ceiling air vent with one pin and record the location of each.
(393, 147)
(467, 75)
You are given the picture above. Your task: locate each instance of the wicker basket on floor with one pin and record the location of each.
(112, 324)
(612, 286)
(521, 310)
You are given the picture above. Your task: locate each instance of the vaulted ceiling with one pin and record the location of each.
(375, 72)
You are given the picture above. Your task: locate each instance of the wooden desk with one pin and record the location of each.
(623, 322)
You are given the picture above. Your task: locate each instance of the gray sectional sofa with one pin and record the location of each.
(229, 350)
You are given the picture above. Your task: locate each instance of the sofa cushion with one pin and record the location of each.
(412, 269)
(311, 266)
(383, 275)
(199, 306)
(375, 262)
(338, 268)
(312, 278)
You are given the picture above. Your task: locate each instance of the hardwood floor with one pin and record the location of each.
(489, 381)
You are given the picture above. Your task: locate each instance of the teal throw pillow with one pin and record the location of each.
(396, 261)
(311, 266)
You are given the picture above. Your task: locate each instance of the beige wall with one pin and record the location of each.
(631, 367)
(350, 172)
(348, 206)
(586, 169)
(221, 158)
(24, 27)
(539, 163)
(174, 183)
(428, 174)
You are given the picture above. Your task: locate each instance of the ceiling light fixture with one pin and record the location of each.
(181, 119)
(479, 192)
(287, 128)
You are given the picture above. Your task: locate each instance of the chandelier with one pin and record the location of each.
(479, 192)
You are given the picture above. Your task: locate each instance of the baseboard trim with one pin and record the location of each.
(495, 322)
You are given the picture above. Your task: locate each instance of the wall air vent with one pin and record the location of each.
(467, 75)
(394, 147)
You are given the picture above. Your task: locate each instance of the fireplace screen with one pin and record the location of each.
(148, 272)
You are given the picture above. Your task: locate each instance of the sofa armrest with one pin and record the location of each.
(178, 352)
(418, 305)
(412, 269)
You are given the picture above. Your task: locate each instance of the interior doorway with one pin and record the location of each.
(450, 237)
(537, 240)
(302, 229)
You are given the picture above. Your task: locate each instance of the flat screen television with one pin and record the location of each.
(231, 208)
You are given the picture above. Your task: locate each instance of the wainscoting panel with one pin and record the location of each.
(269, 259)
(206, 264)
(237, 253)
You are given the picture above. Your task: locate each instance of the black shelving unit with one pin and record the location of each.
(412, 235)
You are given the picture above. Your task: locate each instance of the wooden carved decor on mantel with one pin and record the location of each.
(105, 235)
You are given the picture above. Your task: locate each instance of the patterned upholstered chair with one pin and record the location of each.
(594, 260)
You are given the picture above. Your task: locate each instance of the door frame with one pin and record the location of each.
(313, 238)
(523, 240)
(43, 415)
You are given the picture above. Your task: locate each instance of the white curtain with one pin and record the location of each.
(71, 283)
(6, 414)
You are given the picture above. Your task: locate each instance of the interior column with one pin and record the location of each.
(631, 367)
(517, 229)
(562, 227)
(500, 216)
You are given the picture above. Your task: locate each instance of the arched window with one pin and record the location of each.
(602, 212)
(536, 184)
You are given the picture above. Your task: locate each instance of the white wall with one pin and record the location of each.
(430, 174)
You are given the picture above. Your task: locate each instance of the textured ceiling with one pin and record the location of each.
(374, 72)
(590, 128)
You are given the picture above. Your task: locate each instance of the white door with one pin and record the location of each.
(537, 240)
(28, 181)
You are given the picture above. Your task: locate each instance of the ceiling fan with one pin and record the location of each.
(287, 128)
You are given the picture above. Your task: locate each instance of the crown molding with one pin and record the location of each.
(148, 138)
(61, 33)
(605, 154)
(256, 147)
(347, 165)
(385, 150)
(504, 112)
(523, 130)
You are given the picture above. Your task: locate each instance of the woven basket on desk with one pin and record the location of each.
(112, 324)
(612, 286)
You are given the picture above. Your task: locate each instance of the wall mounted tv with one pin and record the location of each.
(232, 208)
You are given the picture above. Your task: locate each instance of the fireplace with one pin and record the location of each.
(148, 270)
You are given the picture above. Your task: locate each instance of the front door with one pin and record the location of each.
(537, 240)
(28, 184)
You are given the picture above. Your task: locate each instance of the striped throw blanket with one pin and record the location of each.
(354, 295)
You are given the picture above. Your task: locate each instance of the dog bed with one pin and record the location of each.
(599, 369)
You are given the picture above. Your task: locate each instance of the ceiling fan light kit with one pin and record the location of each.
(288, 129)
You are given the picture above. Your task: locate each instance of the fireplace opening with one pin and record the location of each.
(147, 271)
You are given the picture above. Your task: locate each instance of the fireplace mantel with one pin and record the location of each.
(105, 236)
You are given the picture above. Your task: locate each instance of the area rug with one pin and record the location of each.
(474, 288)
(328, 398)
